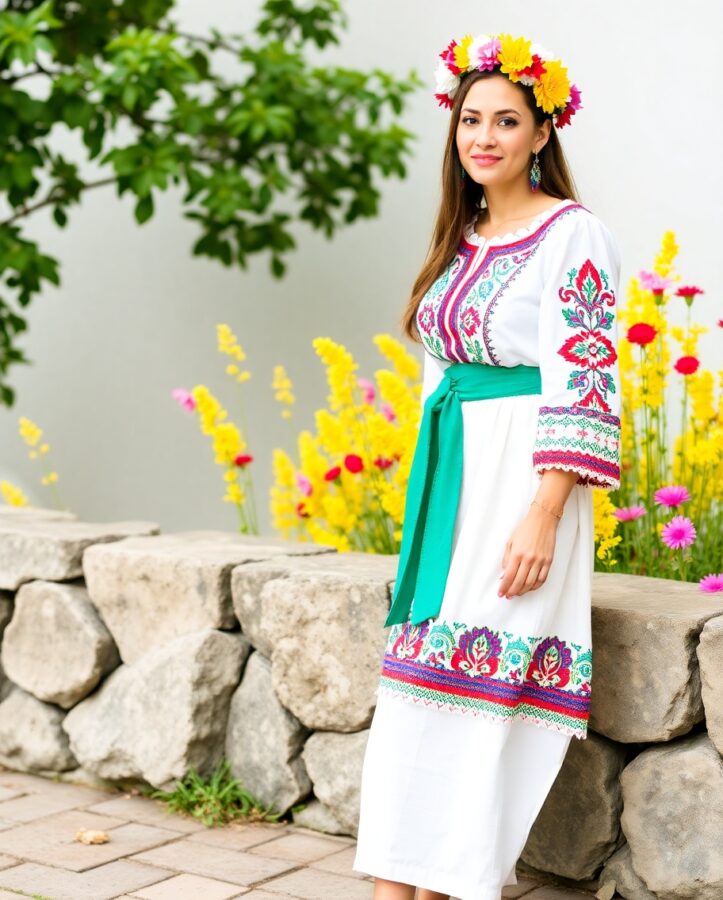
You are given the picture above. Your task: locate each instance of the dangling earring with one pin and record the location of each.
(535, 174)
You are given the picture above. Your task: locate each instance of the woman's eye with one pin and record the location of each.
(473, 119)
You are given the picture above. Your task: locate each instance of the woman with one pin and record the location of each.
(487, 671)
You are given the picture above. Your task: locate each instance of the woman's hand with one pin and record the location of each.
(528, 553)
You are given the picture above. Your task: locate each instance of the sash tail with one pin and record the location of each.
(435, 481)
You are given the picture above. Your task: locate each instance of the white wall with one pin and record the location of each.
(136, 314)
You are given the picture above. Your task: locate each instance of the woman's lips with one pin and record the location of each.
(486, 160)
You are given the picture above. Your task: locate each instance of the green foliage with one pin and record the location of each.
(216, 800)
(279, 141)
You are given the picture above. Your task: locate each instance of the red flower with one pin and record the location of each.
(301, 510)
(686, 365)
(383, 462)
(720, 323)
(688, 291)
(333, 473)
(641, 333)
(353, 463)
(243, 459)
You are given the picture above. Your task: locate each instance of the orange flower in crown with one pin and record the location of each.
(518, 59)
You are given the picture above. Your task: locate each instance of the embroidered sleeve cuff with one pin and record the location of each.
(579, 439)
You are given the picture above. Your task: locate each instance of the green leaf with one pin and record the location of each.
(144, 209)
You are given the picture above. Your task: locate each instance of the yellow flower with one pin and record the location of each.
(12, 495)
(461, 52)
(29, 431)
(281, 385)
(553, 88)
(515, 54)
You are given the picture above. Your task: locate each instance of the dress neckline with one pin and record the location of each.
(473, 238)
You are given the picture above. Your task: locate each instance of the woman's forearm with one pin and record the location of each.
(555, 488)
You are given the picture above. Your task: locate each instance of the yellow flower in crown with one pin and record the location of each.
(517, 58)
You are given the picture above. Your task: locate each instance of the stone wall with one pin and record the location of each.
(131, 656)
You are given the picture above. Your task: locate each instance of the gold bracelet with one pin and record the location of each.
(546, 509)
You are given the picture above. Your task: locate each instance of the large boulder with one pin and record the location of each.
(151, 590)
(578, 826)
(264, 741)
(162, 715)
(646, 683)
(31, 735)
(321, 621)
(52, 548)
(710, 657)
(56, 646)
(673, 818)
(334, 763)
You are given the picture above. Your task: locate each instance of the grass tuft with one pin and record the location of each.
(216, 800)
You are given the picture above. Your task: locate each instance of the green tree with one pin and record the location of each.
(280, 129)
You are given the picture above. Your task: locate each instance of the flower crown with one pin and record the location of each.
(517, 58)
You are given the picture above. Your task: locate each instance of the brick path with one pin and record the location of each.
(155, 855)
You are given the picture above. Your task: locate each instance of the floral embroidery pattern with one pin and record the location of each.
(579, 439)
(589, 292)
(483, 671)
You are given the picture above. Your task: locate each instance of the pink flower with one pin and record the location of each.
(672, 495)
(711, 583)
(388, 412)
(679, 532)
(184, 399)
(304, 485)
(651, 281)
(369, 390)
(629, 513)
(487, 56)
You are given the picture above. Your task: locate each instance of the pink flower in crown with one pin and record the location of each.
(573, 104)
(484, 57)
(478, 652)
(449, 58)
(712, 583)
(368, 388)
(470, 320)
(410, 641)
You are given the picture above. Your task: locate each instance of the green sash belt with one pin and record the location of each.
(435, 480)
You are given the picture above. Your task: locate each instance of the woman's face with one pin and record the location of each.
(496, 122)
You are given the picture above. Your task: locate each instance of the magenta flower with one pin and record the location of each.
(711, 583)
(487, 55)
(184, 399)
(629, 513)
(303, 484)
(388, 412)
(672, 495)
(368, 388)
(651, 281)
(678, 533)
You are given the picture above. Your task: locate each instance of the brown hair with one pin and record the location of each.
(460, 203)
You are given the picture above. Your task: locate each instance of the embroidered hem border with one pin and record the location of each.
(491, 698)
(523, 712)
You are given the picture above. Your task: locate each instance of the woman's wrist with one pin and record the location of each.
(547, 509)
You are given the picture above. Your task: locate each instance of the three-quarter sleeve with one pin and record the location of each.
(578, 424)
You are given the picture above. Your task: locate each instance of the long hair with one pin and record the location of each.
(460, 203)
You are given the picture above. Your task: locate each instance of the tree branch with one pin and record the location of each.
(53, 198)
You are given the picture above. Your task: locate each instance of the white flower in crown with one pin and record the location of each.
(540, 51)
(446, 82)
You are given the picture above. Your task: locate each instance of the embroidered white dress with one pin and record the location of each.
(476, 707)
